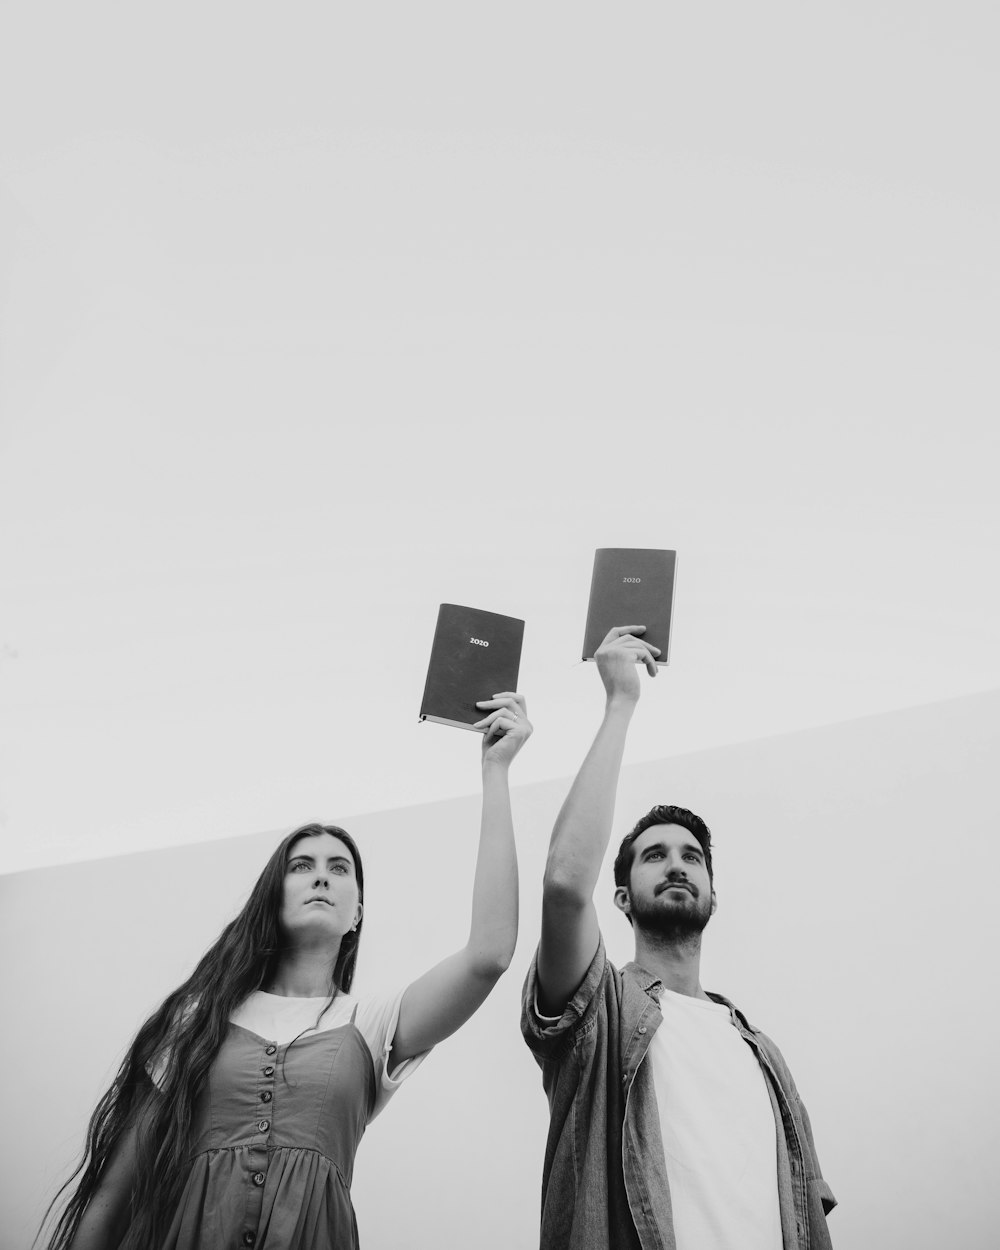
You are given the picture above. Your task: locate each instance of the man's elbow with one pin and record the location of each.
(565, 890)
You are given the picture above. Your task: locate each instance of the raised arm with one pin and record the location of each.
(580, 837)
(445, 997)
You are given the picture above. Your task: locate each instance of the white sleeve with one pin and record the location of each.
(545, 1021)
(156, 1067)
(376, 1020)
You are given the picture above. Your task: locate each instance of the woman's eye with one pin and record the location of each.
(341, 868)
(299, 863)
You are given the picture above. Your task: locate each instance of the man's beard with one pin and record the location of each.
(671, 922)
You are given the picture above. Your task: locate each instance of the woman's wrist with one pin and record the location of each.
(620, 704)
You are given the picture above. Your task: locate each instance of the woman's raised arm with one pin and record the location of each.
(441, 1001)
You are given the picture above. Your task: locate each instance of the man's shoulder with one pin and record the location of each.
(595, 1005)
(740, 1015)
(766, 1043)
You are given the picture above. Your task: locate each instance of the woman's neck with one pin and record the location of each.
(304, 973)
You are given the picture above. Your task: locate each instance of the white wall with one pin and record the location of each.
(856, 868)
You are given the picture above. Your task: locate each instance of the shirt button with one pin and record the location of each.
(271, 1050)
(263, 1125)
(269, 1071)
(249, 1238)
(258, 1178)
(266, 1096)
(642, 1028)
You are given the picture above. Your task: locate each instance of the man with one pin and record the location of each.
(675, 1124)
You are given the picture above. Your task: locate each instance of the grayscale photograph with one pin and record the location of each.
(499, 618)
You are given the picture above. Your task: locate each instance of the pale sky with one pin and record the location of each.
(311, 320)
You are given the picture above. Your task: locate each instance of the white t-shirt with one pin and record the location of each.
(280, 1019)
(718, 1129)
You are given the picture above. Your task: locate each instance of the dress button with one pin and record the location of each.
(269, 1071)
(271, 1050)
(249, 1238)
(263, 1125)
(266, 1096)
(258, 1178)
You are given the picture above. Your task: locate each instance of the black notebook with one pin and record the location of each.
(475, 655)
(631, 586)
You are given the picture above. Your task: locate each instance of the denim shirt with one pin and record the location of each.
(604, 1178)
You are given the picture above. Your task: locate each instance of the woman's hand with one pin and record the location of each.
(507, 727)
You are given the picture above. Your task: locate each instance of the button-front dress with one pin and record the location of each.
(278, 1124)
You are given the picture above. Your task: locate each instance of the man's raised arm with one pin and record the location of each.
(582, 830)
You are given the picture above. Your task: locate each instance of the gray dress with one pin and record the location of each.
(275, 1133)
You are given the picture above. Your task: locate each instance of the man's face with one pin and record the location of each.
(669, 890)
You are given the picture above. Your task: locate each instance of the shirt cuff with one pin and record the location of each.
(543, 1034)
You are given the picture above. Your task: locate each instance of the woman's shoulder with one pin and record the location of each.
(375, 1013)
(376, 1017)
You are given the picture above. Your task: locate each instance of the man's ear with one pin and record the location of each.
(622, 900)
(715, 903)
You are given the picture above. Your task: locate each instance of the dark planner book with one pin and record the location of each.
(631, 586)
(475, 655)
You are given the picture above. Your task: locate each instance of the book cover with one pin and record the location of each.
(475, 655)
(631, 586)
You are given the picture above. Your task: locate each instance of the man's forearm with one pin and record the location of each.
(583, 827)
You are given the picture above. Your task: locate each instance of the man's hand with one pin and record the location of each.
(617, 657)
(507, 727)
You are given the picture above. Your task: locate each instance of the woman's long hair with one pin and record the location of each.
(178, 1042)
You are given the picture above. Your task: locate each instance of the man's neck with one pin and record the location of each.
(675, 961)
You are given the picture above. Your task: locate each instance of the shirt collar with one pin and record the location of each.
(653, 986)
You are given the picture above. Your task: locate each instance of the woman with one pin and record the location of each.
(235, 1115)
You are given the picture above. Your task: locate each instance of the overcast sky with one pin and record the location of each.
(312, 319)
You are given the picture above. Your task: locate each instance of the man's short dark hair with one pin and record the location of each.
(663, 814)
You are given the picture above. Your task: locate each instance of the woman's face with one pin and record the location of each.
(320, 890)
